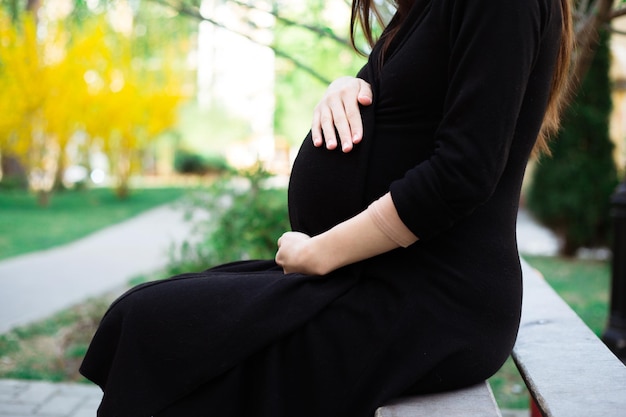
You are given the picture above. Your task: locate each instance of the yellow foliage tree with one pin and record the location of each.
(28, 74)
(70, 81)
(131, 106)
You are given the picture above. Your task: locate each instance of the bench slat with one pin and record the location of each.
(566, 367)
(475, 401)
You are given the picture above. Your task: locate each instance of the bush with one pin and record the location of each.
(570, 191)
(186, 162)
(238, 218)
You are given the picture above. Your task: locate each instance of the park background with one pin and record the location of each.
(112, 107)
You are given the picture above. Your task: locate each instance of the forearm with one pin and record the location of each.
(374, 231)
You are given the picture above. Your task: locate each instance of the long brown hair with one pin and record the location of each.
(363, 10)
(560, 83)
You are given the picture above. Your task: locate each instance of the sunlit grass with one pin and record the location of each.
(583, 284)
(26, 227)
(51, 349)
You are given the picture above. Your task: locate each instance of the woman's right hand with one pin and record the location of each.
(338, 112)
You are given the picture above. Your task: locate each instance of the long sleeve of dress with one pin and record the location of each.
(493, 46)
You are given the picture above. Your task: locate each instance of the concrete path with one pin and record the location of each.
(534, 239)
(36, 398)
(36, 285)
(33, 286)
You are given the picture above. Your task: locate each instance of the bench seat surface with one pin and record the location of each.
(566, 367)
(476, 401)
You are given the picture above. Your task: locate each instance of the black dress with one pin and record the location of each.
(457, 107)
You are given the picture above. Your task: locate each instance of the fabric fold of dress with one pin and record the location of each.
(164, 327)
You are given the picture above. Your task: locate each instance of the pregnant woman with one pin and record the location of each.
(401, 274)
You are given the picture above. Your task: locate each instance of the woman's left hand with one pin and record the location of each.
(296, 254)
(337, 116)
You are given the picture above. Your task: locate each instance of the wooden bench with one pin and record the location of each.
(569, 372)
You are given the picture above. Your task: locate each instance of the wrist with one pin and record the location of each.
(320, 259)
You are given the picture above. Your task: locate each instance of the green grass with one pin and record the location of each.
(51, 349)
(584, 285)
(26, 227)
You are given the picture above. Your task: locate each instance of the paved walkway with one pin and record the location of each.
(36, 285)
(33, 286)
(35, 399)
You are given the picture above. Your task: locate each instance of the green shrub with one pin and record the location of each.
(186, 162)
(237, 218)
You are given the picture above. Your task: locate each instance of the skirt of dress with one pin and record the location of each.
(246, 340)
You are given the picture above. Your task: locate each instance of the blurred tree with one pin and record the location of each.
(305, 39)
(589, 17)
(297, 92)
(37, 87)
(72, 80)
(128, 104)
(570, 191)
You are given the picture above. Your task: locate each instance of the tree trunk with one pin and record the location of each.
(43, 198)
(33, 6)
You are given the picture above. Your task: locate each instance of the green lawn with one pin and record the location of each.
(584, 285)
(27, 227)
(52, 349)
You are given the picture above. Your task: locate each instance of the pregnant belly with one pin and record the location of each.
(326, 187)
